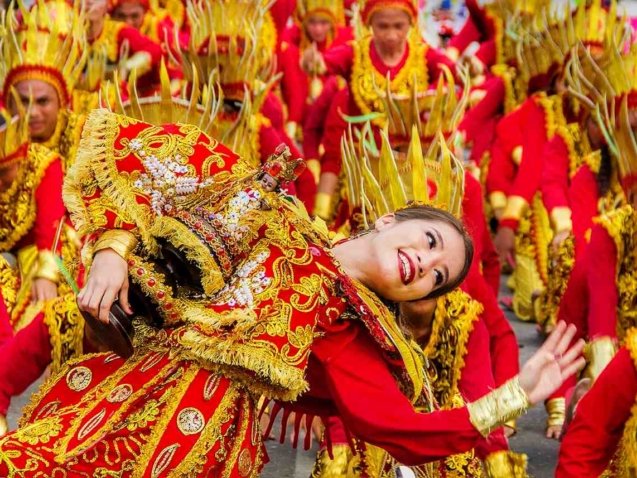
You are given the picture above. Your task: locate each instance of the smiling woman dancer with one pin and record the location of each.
(274, 290)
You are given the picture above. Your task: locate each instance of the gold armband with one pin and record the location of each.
(46, 267)
(556, 409)
(498, 200)
(561, 219)
(598, 354)
(515, 208)
(505, 464)
(122, 242)
(323, 206)
(506, 402)
(314, 165)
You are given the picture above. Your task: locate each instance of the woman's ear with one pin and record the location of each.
(384, 221)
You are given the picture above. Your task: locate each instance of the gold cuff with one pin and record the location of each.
(561, 219)
(47, 267)
(506, 402)
(598, 354)
(323, 206)
(505, 464)
(515, 208)
(314, 165)
(122, 242)
(452, 53)
(556, 409)
(498, 200)
(291, 128)
(516, 155)
(141, 61)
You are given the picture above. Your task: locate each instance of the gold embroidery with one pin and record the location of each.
(79, 378)
(245, 463)
(120, 393)
(190, 421)
(163, 460)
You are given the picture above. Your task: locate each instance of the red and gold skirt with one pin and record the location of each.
(149, 416)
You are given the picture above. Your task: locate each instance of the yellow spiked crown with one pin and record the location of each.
(380, 183)
(47, 44)
(235, 38)
(331, 9)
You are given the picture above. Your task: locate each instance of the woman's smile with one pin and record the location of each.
(406, 267)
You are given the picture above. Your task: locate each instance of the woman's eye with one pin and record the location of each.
(431, 240)
(439, 277)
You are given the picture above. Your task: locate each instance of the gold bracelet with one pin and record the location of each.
(323, 206)
(556, 409)
(47, 267)
(515, 208)
(561, 219)
(506, 402)
(506, 464)
(122, 242)
(598, 354)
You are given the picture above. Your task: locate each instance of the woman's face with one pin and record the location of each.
(318, 28)
(390, 27)
(410, 259)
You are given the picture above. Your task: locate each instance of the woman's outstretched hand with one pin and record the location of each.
(107, 281)
(552, 364)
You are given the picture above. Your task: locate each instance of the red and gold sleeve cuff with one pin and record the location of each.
(122, 242)
(46, 267)
(516, 206)
(498, 200)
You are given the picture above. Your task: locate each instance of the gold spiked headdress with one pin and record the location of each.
(332, 9)
(48, 44)
(378, 184)
(14, 138)
(235, 38)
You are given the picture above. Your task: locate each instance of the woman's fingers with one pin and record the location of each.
(123, 299)
(565, 341)
(554, 338)
(573, 368)
(572, 354)
(105, 304)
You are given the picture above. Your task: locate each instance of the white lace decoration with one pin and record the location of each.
(165, 180)
(250, 279)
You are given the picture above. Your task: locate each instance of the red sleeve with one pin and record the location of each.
(338, 59)
(593, 436)
(272, 108)
(316, 117)
(6, 330)
(501, 168)
(503, 343)
(554, 184)
(49, 204)
(23, 359)
(477, 380)
(281, 11)
(294, 82)
(527, 178)
(601, 257)
(140, 43)
(335, 126)
(487, 52)
(435, 58)
(487, 108)
(374, 409)
(467, 35)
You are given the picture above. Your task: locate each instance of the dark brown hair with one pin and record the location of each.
(429, 213)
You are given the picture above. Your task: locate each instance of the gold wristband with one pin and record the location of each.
(598, 354)
(314, 165)
(561, 219)
(515, 208)
(498, 200)
(122, 242)
(506, 402)
(46, 267)
(505, 464)
(323, 206)
(556, 409)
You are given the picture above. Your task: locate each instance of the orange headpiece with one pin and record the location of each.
(369, 7)
(48, 44)
(331, 9)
